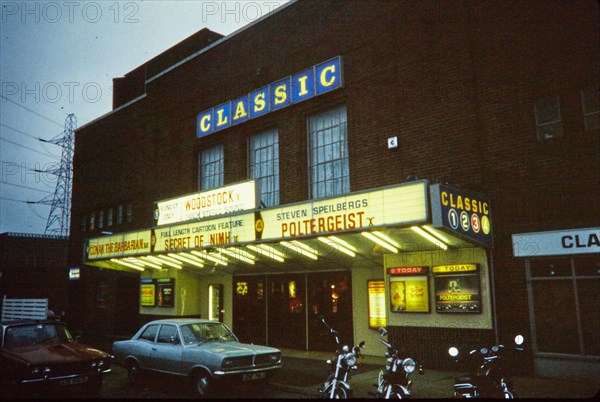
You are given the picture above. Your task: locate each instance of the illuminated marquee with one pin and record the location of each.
(213, 232)
(395, 205)
(224, 200)
(121, 245)
(465, 213)
(314, 81)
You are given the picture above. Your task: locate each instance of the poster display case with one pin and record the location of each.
(457, 288)
(376, 290)
(409, 289)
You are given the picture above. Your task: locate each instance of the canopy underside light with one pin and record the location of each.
(315, 253)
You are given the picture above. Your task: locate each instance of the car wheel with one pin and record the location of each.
(134, 372)
(201, 381)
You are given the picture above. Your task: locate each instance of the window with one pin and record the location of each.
(120, 214)
(84, 223)
(168, 334)
(129, 212)
(101, 294)
(591, 108)
(109, 217)
(328, 153)
(548, 122)
(211, 168)
(564, 293)
(100, 219)
(92, 221)
(263, 165)
(149, 333)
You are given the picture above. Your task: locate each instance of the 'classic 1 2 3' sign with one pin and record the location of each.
(463, 212)
(314, 81)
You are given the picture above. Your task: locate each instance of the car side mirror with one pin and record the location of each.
(382, 331)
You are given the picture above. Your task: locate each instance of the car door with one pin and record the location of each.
(167, 350)
(142, 349)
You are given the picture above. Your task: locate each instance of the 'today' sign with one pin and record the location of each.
(314, 81)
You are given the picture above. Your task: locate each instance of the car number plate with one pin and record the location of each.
(74, 381)
(254, 376)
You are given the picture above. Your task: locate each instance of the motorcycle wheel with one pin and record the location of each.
(396, 393)
(340, 393)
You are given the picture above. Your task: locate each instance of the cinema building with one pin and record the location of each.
(428, 167)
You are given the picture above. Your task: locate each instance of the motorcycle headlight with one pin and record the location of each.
(409, 365)
(350, 359)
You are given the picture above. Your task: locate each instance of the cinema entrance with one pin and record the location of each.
(283, 310)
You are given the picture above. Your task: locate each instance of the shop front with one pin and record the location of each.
(413, 255)
(563, 283)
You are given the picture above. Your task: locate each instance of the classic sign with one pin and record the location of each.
(314, 81)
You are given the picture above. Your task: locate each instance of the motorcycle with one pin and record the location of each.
(343, 362)
(393, 382)
(489, 379)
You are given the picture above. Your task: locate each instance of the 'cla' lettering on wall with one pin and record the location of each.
(314, 81)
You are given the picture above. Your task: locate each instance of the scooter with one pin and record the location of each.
(489, 378)
(341, 365)
(394, 382)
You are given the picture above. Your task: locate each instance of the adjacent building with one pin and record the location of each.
(432, 167)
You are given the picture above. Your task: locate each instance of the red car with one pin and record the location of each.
(40, 355)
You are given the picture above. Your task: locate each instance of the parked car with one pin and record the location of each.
(41, 355)
(205, 351)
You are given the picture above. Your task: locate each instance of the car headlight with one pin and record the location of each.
(409, 365)
(274, 357)
(350, 359)
(227, 363)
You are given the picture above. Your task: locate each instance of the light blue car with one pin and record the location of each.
(205, 351)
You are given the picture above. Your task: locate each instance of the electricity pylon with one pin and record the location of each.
(59, 218)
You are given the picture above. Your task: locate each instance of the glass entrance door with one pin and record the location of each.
(249, 308)
(287, 314)
(330, 297)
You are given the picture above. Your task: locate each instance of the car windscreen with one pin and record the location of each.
(32, 334)
(206, 332)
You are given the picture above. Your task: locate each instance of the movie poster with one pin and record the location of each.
(147, 294)
(377, 318)
(166, 292)
(457, 290)
(409, 290)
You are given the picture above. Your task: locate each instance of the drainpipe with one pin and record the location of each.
(492, 282)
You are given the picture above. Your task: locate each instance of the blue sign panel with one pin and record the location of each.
(317, 80)
(465, 213)
(239, 110)
(328, 76)
(279, 93)
(222, 116)
(303, 85)
(259, 102)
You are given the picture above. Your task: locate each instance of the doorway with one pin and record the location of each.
(283, 310)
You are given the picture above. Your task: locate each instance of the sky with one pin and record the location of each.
(59, 58)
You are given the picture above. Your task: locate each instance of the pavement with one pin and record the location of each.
(303, 374)
(433, 384)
